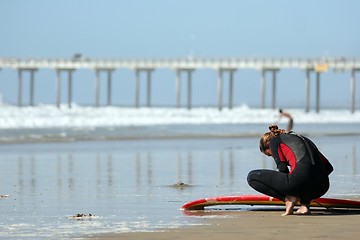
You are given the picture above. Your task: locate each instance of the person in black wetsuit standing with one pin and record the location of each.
(308, 177)
(291, 120)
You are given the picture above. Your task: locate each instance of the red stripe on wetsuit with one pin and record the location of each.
(287, 156)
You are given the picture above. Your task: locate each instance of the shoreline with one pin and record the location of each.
(257, 224)
(162, 137)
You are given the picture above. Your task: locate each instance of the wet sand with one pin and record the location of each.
(259, 224)
(130, 186)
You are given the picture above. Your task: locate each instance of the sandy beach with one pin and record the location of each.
(260, 224)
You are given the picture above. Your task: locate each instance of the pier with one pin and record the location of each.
(188, 65)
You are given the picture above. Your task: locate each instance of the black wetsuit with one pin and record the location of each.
(308, 178)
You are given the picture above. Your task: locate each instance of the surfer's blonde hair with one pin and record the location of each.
(266, 137)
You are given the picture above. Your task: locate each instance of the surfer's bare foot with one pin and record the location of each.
(290, 202)
(304, 209)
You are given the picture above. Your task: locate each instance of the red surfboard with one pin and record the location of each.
(265, 200)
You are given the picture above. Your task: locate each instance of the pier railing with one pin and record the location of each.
(336, 63)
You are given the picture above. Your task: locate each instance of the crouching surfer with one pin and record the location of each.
(308, 177)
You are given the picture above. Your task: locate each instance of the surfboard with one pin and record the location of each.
(265, 200)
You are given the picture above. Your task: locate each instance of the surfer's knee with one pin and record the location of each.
(253, 175)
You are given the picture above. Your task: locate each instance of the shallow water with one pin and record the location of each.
(126, 184)
(70, 134)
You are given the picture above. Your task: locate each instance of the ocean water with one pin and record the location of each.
(120, 164)
(47, 123)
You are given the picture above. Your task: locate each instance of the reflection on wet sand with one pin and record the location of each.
(68, 168)
(353, 158)
(109, 171)
(71, 171)
(20, 174)
(187, 175)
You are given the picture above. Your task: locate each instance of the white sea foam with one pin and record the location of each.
(48, 116)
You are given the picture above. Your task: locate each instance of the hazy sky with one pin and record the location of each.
(168, 28)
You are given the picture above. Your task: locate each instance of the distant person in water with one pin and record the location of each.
(287, 115)
(308, 177)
